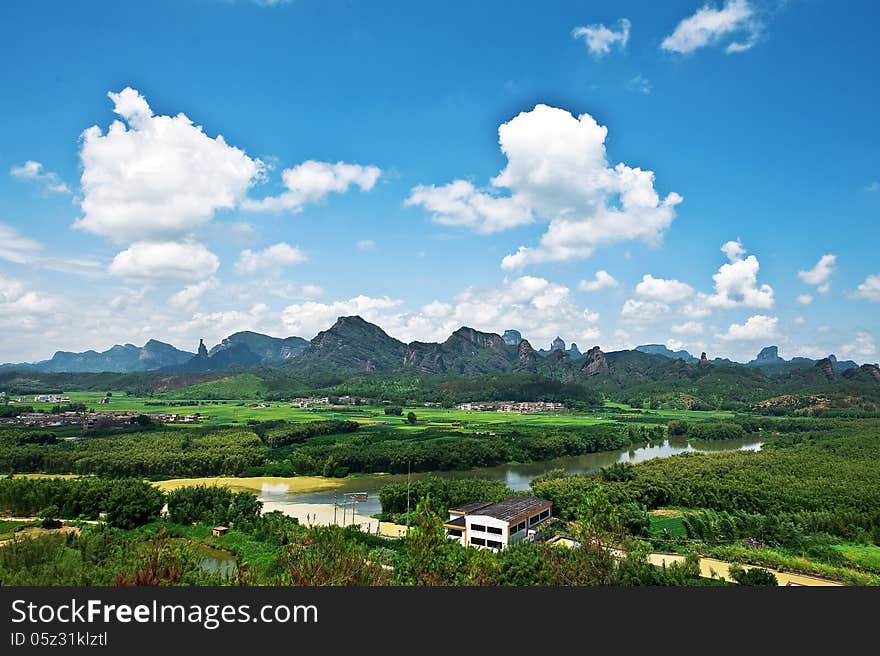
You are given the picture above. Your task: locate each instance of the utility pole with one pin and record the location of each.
(334, 508)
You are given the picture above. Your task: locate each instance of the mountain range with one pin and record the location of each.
(353, 346)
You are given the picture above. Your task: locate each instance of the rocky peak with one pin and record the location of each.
(557, 344)
(465, 339)
(827, 368)
(512, 337)
(872, 370)
(704, 361)
(595, 363)
(769, 354)
(574, 351)
(203, 350)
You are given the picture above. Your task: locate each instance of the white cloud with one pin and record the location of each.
(643, 312)
(156, 177)
(460, 204)
(32, 171)
(312, 182)
(365, 245)
(556, 171)
(15, 247)
(164, 262)
(273, 257)
(309, 318)
(804, 299)
(756, 327)
(22, 310)
(537, 307)
(872, 186)
(735, 23)
(800, 321)
(733, 250)
(659, 289)
(601, 280)
(640, 84)
(736, 283)
(820, 274)
(674, 344)
(870, 289)
(190, 294)
(688, 328)
(862, 347)
(600, 39)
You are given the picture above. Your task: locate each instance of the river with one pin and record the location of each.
(321, 507)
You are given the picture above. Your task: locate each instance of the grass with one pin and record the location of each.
(861, 556)
(668, 519)
(8, 528)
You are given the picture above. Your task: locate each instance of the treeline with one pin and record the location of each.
(168, 453)
(212, 504)
(127, 502)
(833, 470)
(280, 433)
(442, 450)
(396, 498)
(451, 390)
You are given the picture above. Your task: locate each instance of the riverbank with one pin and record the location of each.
(258, 484)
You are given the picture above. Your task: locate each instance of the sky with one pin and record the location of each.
(704, 175)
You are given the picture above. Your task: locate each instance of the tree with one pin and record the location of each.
(411, 418)
(754, 576)
(133, 503)
(394, 410)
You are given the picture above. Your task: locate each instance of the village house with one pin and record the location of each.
(499, 525)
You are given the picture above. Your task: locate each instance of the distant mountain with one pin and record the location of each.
(769, 362)
(352, 344)
(660, 349)
(244, 350)
(117, 359)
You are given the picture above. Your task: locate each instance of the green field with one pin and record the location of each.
(226, 412)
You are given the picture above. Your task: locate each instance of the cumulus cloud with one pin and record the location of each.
(804, 299)
(191, 294)
(273, 257)
(312, 182)
(15, 247)
(736, 283)
(22, 308)
(164, 262)
(153, 177)
(32, 171)
(870, 289)
(461, 204)
(758, 326)
(643, 312)
(540, 309)
(365, 245)
(688, 328)
(820, 274)
(601, 280)
(735, 24)
(600, 39)
(556, 171)
(862, 347)
(659, 289)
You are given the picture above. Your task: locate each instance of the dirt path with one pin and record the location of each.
(713, 568)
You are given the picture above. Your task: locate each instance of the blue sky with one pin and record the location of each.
(361, 172)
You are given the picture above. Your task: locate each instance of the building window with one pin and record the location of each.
(480, 542)
(493, 543)
(519, 527)
(478, 527)
(456, 532)
(534, 520)
(494, 529)
(545, 514)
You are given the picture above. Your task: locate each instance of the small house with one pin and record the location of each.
(217, 531)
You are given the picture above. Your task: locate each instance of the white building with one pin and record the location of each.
(497, 525)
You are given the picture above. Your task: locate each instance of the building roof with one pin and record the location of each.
(458, 522)
(471, 507)
(512, 508)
